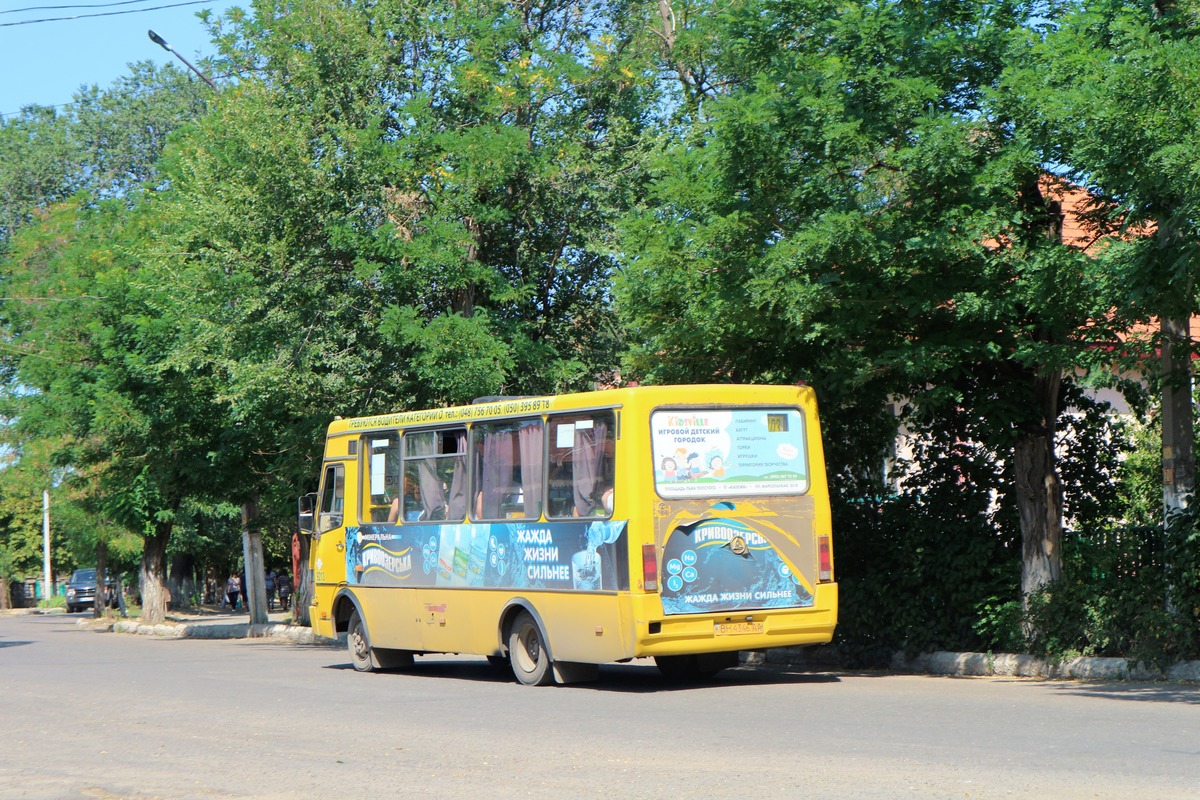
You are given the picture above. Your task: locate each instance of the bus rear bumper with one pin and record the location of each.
(742, 630)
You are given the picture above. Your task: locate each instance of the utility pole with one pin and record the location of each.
(46, 589)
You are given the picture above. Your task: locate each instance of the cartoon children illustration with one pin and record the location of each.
(668, 468)
(693, 466)
(716, 466)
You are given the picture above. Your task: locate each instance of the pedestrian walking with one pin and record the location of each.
(284, 584)
(233, 588)
(270, 584)
(245, 592)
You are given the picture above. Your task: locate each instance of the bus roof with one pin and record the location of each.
(694, 394)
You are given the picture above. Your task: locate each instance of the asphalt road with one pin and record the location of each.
(103, 715)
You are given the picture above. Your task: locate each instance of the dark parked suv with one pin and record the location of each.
(81, 591)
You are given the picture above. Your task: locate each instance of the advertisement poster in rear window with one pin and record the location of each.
(728, 453)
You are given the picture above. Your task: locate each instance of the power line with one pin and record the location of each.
(59, 8)
(106, 13)
(4, 114)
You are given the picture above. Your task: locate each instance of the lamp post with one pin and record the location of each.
(161, 42)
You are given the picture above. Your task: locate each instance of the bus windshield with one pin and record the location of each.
(717, 453)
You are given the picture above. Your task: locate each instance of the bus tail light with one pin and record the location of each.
(825, 558)
(649, 568)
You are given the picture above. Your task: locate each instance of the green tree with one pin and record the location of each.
(86, 349)
(391, 209)
(105, 142)
(1110, 94)
(849, 204)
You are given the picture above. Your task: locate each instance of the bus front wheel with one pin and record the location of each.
(527, 651)
(371, 659)
(359, 645)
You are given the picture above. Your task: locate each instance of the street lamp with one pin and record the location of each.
(161, 42)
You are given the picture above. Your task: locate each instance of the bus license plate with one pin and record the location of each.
(737, 628)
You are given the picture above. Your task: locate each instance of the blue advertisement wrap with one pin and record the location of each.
(579, 556)
(723, 564)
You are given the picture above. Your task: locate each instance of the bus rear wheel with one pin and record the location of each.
(527, 651)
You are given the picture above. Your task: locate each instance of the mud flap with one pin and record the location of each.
(575, 672)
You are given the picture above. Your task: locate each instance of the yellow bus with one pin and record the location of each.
(554, 534)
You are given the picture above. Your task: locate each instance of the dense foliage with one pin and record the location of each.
(395, 205)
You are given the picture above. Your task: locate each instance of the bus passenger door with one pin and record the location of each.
(327, 557)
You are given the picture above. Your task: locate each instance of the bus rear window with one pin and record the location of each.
(713, 453)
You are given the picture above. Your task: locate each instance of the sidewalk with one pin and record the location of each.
(209, 623)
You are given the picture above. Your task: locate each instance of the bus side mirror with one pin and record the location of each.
(306, 506)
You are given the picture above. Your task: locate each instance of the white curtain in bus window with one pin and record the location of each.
(581, 465)
(721, 453)
(456, 508)
(508, 469)
(435, 475)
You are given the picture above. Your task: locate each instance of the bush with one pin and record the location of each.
(1126, 592)
(916, 566)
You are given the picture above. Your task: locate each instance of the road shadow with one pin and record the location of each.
(623, 678)
(478, 671)
(13, 644)
(1188, 694)
(644, 678)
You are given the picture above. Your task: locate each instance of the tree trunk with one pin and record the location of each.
(1179, 460)
(1039, 493)
(100, 606)
(252, 552)
(153, 577)
(182, 582)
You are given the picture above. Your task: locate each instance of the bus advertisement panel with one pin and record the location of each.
(581, 556)
(739, 453)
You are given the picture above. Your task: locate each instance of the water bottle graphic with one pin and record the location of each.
(586, 570)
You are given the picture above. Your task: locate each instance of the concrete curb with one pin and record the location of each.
(1025, 666)
(294, 634)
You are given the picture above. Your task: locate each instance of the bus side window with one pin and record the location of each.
(581, 465)
(382, 484)
(333, 496)
(435, 474)
(507, 479)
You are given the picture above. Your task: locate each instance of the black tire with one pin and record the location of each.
(359, 645)
(71, 609)
(527, 651)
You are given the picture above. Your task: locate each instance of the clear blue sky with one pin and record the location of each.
(47, 62)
